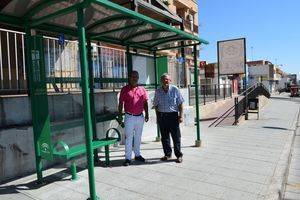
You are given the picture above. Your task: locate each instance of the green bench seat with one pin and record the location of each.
(66, 152)
(71, 152)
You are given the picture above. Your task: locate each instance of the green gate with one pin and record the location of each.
(162, 66)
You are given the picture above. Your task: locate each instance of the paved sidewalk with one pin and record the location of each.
(243, 162)
(292, 190)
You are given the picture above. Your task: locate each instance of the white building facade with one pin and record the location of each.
(265, 72)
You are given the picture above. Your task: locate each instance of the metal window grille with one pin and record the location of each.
(61, 61)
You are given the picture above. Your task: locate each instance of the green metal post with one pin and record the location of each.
(86, 101)
(107, 156)
(92, 98)
(129, 60)
(182, 51)
(158, 138)
(38, 158)
(73, 171)
(198, 141)
(245, 82)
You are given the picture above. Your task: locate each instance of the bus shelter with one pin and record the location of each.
(87, 21)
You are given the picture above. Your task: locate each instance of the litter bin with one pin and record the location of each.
(253, 104)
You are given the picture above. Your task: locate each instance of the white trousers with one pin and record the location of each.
(133, 129)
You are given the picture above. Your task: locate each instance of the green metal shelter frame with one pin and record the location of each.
(92, 20)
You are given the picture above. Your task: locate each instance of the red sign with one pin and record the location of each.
(210, 71)
(202, 64)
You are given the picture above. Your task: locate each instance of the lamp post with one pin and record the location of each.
(252, 53)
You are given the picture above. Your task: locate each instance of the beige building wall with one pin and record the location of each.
(188, 10)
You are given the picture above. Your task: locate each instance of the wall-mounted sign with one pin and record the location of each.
(61, 39)
(181, 60)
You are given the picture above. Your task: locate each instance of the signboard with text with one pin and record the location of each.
(232, 56)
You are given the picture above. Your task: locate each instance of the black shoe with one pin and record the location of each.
(179, 159)
(127, 163)
(140, 158)
(165, 158)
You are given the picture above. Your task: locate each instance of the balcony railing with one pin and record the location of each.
(191, 27)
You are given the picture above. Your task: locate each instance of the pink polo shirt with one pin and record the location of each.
(133, 99)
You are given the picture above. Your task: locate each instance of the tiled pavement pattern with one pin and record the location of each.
(243, 162)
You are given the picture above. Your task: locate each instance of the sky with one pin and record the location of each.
(271, 29)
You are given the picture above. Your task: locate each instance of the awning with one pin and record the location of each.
(104, 21)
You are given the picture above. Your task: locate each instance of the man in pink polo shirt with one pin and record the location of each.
(134, 98)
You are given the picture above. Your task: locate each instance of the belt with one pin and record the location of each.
(134, 115)
(168, 113)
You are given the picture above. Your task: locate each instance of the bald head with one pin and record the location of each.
(165, 80)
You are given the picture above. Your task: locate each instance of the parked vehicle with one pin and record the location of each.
(295, 90)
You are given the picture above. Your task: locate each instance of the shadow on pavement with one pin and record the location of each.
(150, 149)
(277, 128)
(149, 161)
(6, 188)
(33, 185)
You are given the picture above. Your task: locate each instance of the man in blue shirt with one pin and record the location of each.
(169, 110)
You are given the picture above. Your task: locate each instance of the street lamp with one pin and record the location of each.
(252, 53)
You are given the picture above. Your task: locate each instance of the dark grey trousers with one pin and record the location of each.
(168, 124)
